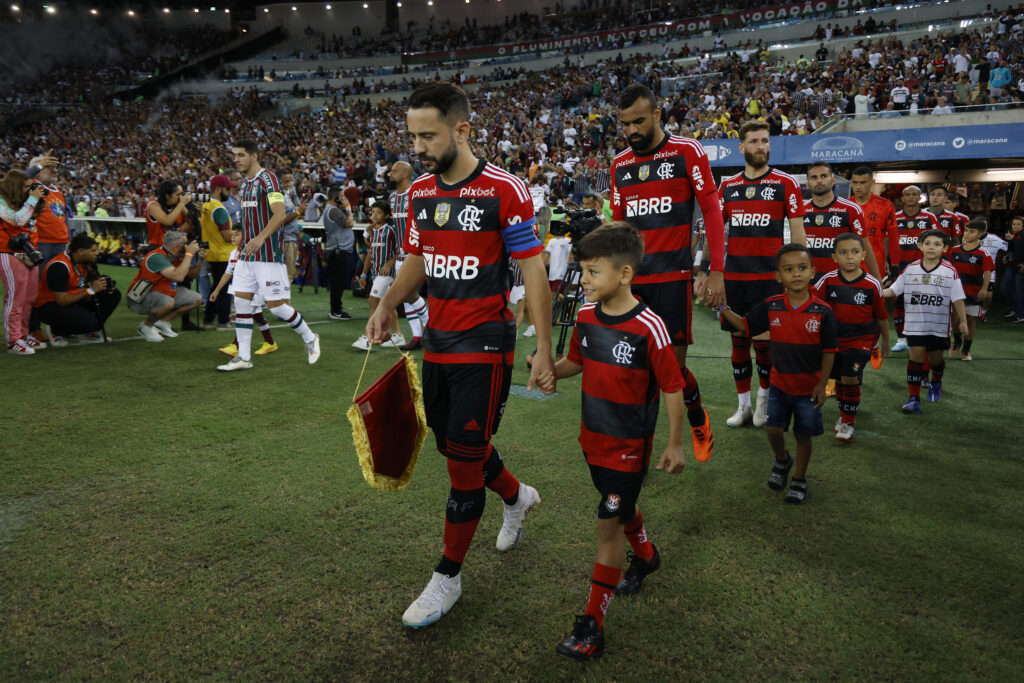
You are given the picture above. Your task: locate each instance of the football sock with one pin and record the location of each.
(415, 313)
(967, 346)
(915, 374)
(849, 401)
(636, 534)
(498, 479)
(264, 326)
(741, 367)
(466, 500)
(744, 399)
(602, 588)
(762, 349)
(448, 567)
(898, 317)
(243, 327)
(762, 395)
(926, 366)
(957, 341)
(295, 321)
(937, 371)
(691, 397)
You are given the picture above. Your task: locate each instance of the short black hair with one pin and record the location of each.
(979, 224)
(448, 98)
(383, 206)
(821, 163)
(81, 240)
(165, 188)
(334, 193)
(790, 248)
(933, 233)
(847, 236)
(248, 144)
(618, 241)
(863, 170)
(635, 92)
(940, 187)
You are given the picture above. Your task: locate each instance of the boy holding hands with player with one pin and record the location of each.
(975, 267)
(804, 341)
(856, 300)
(626, 356)
(929, 286)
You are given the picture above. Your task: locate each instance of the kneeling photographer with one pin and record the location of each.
(155, 293)
(73, 297)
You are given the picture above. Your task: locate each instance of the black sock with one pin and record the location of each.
(967, 346)
(448, 567)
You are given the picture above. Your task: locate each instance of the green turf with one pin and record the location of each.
(161, 520)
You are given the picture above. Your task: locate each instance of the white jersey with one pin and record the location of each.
(993, 244)
(558, 250)
(927, 295)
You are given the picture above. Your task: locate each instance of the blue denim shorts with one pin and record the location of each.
(805, 413)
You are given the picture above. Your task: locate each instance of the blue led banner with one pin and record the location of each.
(907, 144)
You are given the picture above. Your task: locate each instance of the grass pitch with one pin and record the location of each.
(161, 520)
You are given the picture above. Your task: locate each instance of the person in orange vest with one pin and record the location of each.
(73, 297)
(154, 292)
(167, 212)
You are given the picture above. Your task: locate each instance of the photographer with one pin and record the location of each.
(73, 297)
(216, 227)
(339, 241)
(169, 211)
(18, 259)
(154, 292)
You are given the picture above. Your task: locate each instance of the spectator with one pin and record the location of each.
(339, 242)
(941, 108)
(73, 297)
(153, 292)
(18, 200)
(999, 79)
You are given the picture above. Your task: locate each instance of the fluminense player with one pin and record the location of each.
(466, 217)
(757, 204)
(261, 268)
(415, 307)
(656, 184)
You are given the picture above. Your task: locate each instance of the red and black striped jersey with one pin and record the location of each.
(799, 337)
(757, 210)
(257, 194)
(823, 224)
(856, 304)
(908, 229)
(950, 224)
(384, 244)
(971, 265)
(627, 361)
(465, 234)
(657, 193)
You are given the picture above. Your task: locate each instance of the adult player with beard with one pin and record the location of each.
(261, 268)
(465, 218)
(656, 183)
(826, 217)
(415, 307)
(757, 203)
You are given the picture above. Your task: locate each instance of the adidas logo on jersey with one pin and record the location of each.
(628, 176)
(584, 343)
(422, 215)
(833, 295)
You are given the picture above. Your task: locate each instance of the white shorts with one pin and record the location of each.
(398, 266)
(257, 299)
(268, 280)
(381, 285)
(973, 310)
(517, 294)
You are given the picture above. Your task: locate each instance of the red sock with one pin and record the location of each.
(691, 397)
(602, 588)
(636, 534)
(762, 351)
(264, 327)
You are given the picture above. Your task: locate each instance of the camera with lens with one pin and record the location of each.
(204, 245)
(22, 242)
(577, 224)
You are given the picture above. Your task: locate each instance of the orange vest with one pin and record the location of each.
(155, 229)
(76, 279)
(160, 283)
(51, 224)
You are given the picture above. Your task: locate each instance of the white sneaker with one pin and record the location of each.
(839, 423)
(149, 333)
(530, 332)
(742, 416)
(396, 340)
(34, 343)
(58, 342)
(92, 338)
(164, 328)
(845, 433)
(363, 343)
(20, 348)
(436, 600)
(313, 349)
(512, 528)
(900, 345)
(235, 363)
(761, 412)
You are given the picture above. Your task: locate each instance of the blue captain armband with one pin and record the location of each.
(520, 237)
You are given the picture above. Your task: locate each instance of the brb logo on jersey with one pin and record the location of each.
(623, 353)
(819, 242)
(469, 218)
(747, 219)
(646, 207)
(451, 267)
(927, 300)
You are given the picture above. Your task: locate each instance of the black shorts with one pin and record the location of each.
(743, 295)
(850, 363)
(929, 342)
(673, 302)
(465, 402)
(619, 491)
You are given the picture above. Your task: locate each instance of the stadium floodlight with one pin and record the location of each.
(365, 6)
(167, 10)
(430, 3)
(398, 4)
(1007, 171)
(328, 7)
(131, 13)
(94, 11)
(15, 8)
(294, 8)
(196, 10)
(50, 9)
(266, 9)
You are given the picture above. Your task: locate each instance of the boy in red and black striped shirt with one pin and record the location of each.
(624, 351)
(804, 342)
(975, 267)
(858, 306)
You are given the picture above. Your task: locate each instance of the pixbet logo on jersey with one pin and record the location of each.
(646, 207)
(451, 267)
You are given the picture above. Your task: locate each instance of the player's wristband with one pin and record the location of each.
(90, 291)
(722, 308)
(705, 267)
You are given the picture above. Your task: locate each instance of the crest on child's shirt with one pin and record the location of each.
(623, 353)
(860, 298)
(441, 213)
(812, 325)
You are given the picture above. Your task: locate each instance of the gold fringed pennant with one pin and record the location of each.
(389, 425)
